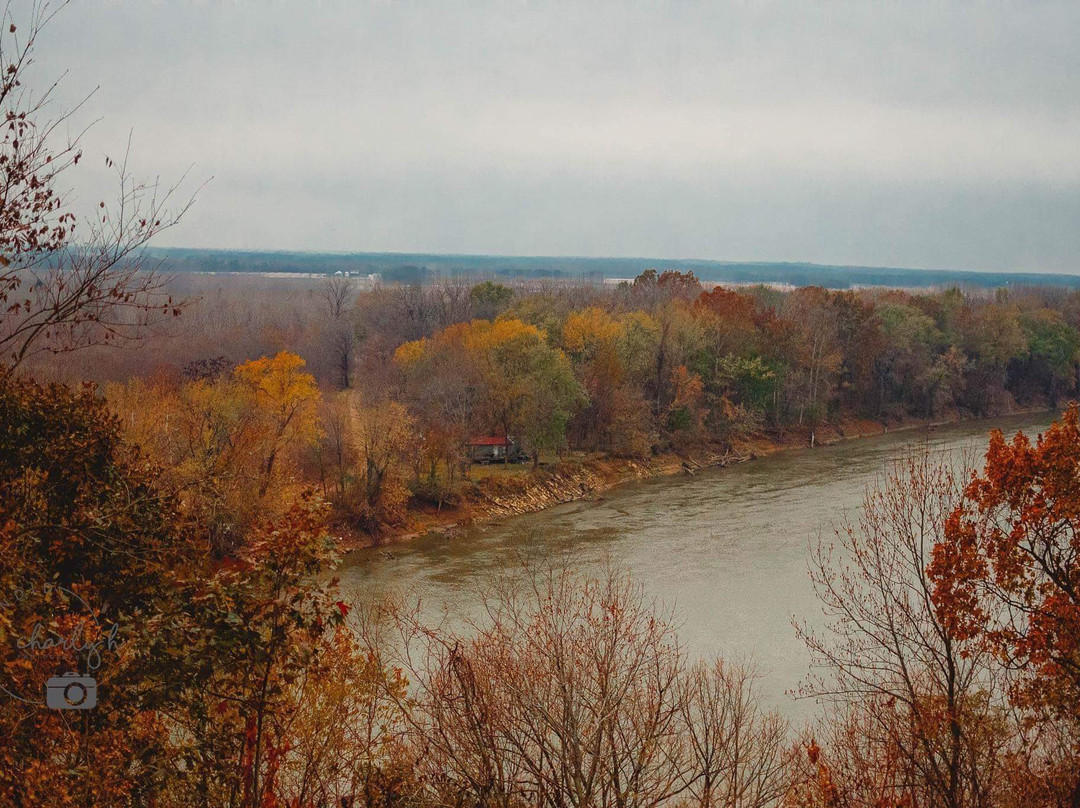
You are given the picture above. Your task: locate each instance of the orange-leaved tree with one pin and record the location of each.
(202, 663)
(1007, 571)
(912, 702)
(90, 555)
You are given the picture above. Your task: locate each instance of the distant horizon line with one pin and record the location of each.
(614, 258)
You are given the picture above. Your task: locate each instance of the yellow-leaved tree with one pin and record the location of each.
(284, 397)
(501, 377)
(613, 355)
(224, 443)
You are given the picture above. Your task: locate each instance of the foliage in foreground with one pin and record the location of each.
(240, 678)
(187, 574)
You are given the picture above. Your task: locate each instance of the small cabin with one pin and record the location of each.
(495, 449)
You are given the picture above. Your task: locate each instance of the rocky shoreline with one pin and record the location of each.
(568, 482)
(573, 480)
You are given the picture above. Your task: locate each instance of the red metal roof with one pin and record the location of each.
(489, 441)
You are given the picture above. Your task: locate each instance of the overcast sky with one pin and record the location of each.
(885, 133)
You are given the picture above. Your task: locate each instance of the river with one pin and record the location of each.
(726, 548)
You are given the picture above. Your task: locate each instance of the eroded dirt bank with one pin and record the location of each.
(500, 496)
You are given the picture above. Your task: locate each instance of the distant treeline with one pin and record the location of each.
(200, 496)
(428, 268)
(630, 370)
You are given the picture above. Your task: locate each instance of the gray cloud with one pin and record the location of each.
(915, 134)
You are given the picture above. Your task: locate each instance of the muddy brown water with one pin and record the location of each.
(726, 548)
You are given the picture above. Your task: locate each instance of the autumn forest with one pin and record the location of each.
(186, 458)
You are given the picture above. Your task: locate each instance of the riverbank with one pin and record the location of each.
(520, 490)
(726, 551)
